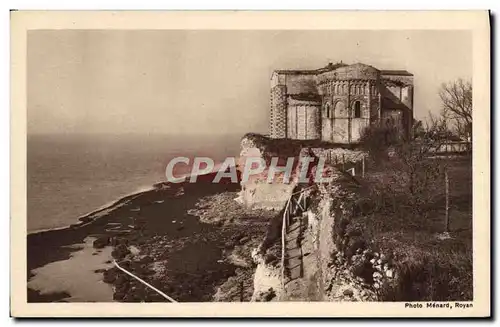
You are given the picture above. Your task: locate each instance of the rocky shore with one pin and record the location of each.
(191, 241)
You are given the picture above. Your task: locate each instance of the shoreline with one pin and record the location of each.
(80, 221)
(183, 243)
(75, 278)
(110, 205)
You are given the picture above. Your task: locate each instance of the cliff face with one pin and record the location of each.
(328, 219)
(347, 249)
(259, 190)
(323, 278)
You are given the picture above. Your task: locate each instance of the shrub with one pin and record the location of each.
(377, 139)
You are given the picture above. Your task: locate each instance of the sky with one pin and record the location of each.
(210, 82)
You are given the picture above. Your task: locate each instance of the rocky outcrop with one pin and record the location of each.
(267, 279)
(260, 190)
(347, 269)
(351, 269)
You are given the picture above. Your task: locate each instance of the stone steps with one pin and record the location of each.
(300, 263)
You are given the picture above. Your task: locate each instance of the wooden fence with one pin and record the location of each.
(453, 147)
(144, 282)
(296, 201)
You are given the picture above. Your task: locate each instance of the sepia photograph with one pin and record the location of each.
(284, 165)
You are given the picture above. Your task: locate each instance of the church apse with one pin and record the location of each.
(335, 103)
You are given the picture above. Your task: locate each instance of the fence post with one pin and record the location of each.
(363, 167)
(288, 212)
(283, 244)
(447, 190)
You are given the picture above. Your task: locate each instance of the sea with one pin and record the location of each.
(69, 176)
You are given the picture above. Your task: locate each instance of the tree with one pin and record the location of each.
(417, 129)
(409, 179)
(377, 139)
(456, 98)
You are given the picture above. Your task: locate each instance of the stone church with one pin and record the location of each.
(335, 103)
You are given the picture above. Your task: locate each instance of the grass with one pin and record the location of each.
(430, 268)
(405, 223)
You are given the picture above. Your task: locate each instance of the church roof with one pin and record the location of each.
(306, 97)
(327, 68)
(332, 66)
(396, 72)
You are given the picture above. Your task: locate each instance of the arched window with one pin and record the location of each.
(357, 109)
(328, 111)
(339, 109)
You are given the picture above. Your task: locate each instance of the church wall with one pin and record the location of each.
(278, 79)
(326, 129)
(401, 86)
(296, 114)
(340, 107)
(297, 84)
(404, 84)
(292, 122)
(340, 132)
(301, 125)
(407, 96)
(313, 127)
(342, 126)
(358, 124)
(304, 120)
(395, 90)
(278, 112)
